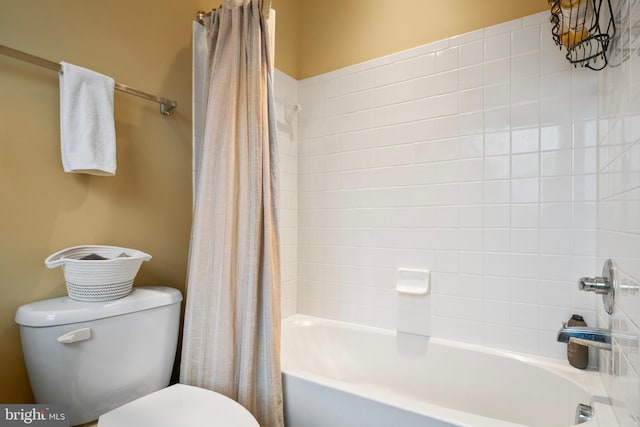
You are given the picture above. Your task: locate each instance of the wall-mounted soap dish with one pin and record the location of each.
(412, 281)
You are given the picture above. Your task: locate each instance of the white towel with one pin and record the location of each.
(87, 130)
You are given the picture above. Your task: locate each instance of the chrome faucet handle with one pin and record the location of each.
(604, 285)
(599, 285)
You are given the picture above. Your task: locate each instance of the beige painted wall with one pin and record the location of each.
(287, 35)
(338, 33)
(147, 205)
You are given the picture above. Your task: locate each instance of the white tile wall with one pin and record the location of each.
(618, 232)
(463, 157)
(286, 97)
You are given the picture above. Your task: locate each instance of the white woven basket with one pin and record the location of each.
(98, 279)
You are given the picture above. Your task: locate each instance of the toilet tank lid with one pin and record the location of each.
(64, 310)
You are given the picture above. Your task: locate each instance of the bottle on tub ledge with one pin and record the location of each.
(577, 354)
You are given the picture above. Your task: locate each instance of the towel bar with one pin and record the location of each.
(166, 105)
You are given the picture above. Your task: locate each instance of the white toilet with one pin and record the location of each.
(112, 360)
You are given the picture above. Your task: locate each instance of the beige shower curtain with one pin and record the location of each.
(231, 340)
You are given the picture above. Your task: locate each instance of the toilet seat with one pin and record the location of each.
(180, 405)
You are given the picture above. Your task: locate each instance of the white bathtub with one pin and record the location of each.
(337, 374)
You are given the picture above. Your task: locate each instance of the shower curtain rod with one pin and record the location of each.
(265, 8)
(201, 15)
(166, 105)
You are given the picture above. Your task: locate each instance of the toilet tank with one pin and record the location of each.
(96, 356)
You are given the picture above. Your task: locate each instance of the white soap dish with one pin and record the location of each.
(412, 281)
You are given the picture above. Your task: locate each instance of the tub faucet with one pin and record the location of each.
(592, 337)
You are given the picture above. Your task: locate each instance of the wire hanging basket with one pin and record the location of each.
(585, 28)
